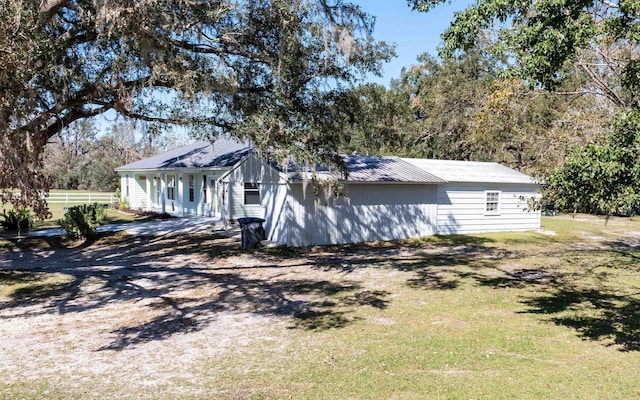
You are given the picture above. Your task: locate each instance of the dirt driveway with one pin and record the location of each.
(130, 311)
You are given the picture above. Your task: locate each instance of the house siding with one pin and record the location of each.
(236, 203)
(276, 210)
(370, 212)
(137, 197)
(461, 208)
(252, 170)
(384, 203)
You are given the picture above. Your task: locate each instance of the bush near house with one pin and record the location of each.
(80, 222)
(17, 220)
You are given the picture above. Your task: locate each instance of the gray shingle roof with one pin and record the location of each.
(470, 171)
(223, 153)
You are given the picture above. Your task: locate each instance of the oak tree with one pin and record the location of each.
(243, 67)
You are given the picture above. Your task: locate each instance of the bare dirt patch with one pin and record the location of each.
(149, 311)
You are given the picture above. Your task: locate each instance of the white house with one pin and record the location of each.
(383, 198)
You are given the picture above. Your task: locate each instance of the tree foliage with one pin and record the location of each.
(444, 95)
(527, 129)
(541, 38)
(546, 43)
(602, 178)
(375, 120)
(464, 108)
(251, 68)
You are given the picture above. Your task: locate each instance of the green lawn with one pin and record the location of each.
(491, 316)
(57, 210)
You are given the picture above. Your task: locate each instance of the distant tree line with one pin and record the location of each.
(465, 108)
(84, 156)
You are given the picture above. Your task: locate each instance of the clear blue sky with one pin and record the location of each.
(413, 32)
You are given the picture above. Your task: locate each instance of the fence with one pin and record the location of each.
(81, 198)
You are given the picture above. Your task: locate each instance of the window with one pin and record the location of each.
(251, 193)
(127, 186)
(204, 188)
(192, 188)
(493, 203)
(171, 187)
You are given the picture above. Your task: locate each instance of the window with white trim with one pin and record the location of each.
(171, 187)
(492, 204)
(251, 193)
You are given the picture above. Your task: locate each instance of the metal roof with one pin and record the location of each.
(223, 153)
(471, 171)
(379, 169)
(227, 152)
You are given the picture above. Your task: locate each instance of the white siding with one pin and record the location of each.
(370, 212)
(250, 171)
(276, 210)
(461, 209)
(137, 197)
(236, 202)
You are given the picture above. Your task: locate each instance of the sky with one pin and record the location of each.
(413, 32)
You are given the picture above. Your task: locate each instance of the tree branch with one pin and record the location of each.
(73, 115)
(610, 93)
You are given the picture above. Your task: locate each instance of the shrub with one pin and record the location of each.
(17, 220)
(81, 221)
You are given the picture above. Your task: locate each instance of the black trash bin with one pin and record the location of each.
(252, 232)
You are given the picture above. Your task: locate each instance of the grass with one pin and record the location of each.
(57, 211)
(22, 285)
(491, 316)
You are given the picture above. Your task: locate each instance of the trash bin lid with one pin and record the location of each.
(248, 220)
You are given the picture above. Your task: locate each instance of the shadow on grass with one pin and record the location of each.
(27, 287)
(596, 314)
(550, 279)
(433, 262)
(186, 294)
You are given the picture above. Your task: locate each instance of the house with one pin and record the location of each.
(384, 198)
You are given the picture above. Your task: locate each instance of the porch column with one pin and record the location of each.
(180, 194)
(215, 198)
(223, 205)
(163, 192)
(149, 192)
